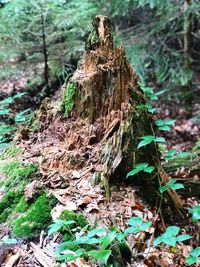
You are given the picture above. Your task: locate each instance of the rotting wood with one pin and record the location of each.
(107, 91)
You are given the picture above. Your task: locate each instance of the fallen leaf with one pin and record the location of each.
(84, 201)
(76, 174)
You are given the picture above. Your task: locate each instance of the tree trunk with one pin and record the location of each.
(45, 52)
(188, 26)
(107, 93)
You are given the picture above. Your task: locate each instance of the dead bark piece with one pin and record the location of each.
(41, 257)
(12, 260)
(106, 91)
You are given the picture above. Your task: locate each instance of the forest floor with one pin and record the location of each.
(67, 153)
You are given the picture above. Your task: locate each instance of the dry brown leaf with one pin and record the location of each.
(84, 201)
(92, 207)
(79, 263)
(10, 262)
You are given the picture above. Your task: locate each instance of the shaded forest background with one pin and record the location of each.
(46, 38)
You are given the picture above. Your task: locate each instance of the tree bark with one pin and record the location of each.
(108, 94)
(188, 27)
(45, 52)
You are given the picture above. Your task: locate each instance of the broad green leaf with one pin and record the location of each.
(170, 122)
(98, 232)
(160, 122)
(102, 256)
(133, 172)
(164, 188)
(149, 169)
(70, 256)
(8, 240)
(144, 142)
(170, 241)
(137, 168)
(167, 186)
(181, 238)
(132, 230)
(145, 225)
(4, 111)
(195, 213)
(195, 252)
(148, 137)
(170, 154)
(141, 166)
(173, 230)
(63, 246)
(177, 186)
(54, 228)
(150, 108)
(57, 225)
(164, 128)
(157, 241)
(121, 236)
(135, 221)
(107, 240)
(160, 139)
(191, 260)
(194, 256)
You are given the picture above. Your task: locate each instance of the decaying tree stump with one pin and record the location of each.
(106, 89)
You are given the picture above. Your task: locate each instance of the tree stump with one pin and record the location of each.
(107, 92)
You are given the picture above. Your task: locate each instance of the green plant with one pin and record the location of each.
(9, 122)
(171, 185)
(164, 125)
(7, 240)
(18, 173)
(195, 213)
(147, 139)
(102, 240)
(8, 203)
(170, 237)
(140, 167)
(194, 256)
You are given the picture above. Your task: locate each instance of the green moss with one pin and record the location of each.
(36, 217)
(68, 98)
(8, 203)
(11, 151)
(93, 41)
(18, 173)
(22, 206)
(69, 215)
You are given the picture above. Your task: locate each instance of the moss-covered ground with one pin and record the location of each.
(26, 217)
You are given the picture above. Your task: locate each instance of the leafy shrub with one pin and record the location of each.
(102, 242)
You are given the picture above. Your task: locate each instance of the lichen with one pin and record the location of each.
(36, 217)
(68, 98)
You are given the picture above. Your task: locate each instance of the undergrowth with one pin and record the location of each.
(33, 217)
